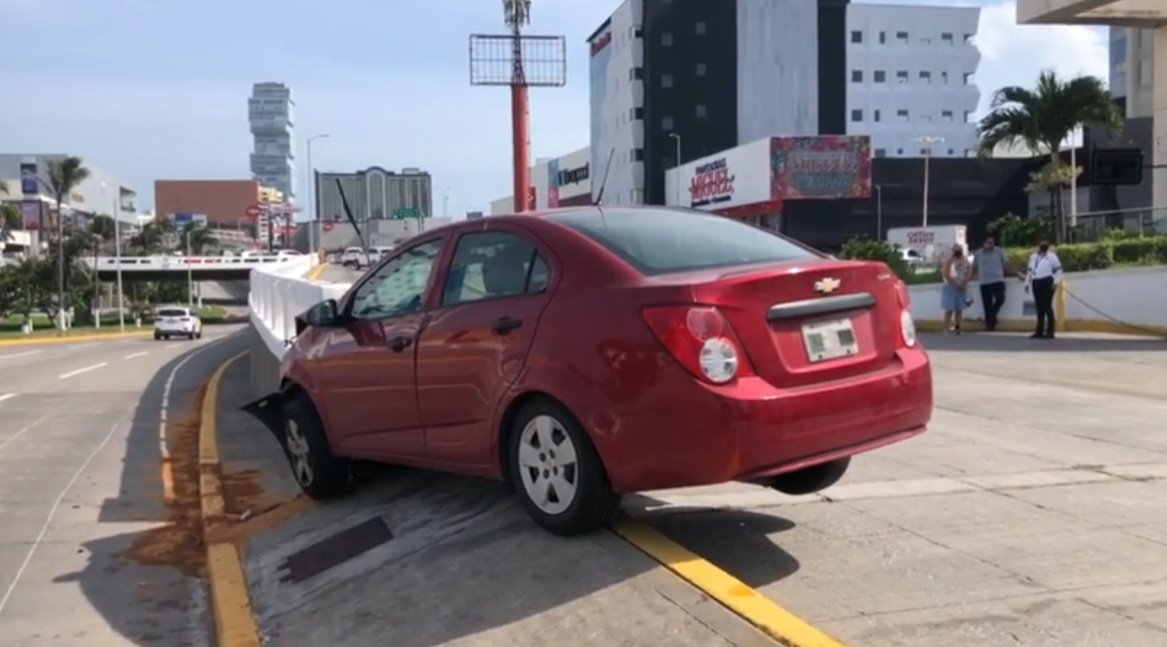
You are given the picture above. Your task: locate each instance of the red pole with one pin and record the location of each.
(521, 143)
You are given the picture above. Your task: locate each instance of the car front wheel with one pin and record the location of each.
(809, 480)
(557, 472)
(318, 472)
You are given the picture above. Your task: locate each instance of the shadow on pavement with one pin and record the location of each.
(147, 583)
(1065, 343)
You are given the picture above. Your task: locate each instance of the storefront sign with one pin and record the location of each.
(712, 184)
(573, 175)
(820, 167)
(31, 210)
(28, 181)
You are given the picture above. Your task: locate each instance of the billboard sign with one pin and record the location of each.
(820, 167)
(731, 178)
(28, 182)
(31, 210)
(184, 220)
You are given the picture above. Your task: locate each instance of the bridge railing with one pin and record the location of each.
(280, 292)
(154, 263)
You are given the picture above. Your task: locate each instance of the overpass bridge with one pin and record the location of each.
(200, 268)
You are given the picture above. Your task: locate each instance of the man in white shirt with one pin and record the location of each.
(1043, 275)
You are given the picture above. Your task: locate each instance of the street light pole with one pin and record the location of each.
(927, 142)
(312, 215)
(189, 273)
(117, 253)
(878, 212)
(677, 175)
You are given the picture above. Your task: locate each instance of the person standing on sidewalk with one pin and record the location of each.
(989, 270)
(1043, 275)
(954, 293)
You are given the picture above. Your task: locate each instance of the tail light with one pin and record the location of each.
(907, 336)
(701, 339)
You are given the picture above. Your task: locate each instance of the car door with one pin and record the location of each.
(475, 344)
(367, 368)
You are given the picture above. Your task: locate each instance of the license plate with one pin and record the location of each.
(827, 340)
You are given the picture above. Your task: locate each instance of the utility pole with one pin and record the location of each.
(927, 143)
(313, 217)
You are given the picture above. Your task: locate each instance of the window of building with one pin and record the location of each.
(666, 80)
(923, 152)
(952, 151)
(636, 155)
(666, 123)
(902, 77)
(883, 38)
(856, 37)
(857, 76)
(856, 115)
(967, 116)
(925, 76)
(666, 39)
(902, 115)
(876, 116)
(880, 76)
(968, 152)
(968, 39)
(969, 78)
(881, 152)
(902, 36)
(637, 113)
(700, 28)
(701, 111)
(701, 69)
(946, 37)
(946, 115)
(635, 74)
(637, 32)
(944, 78)
(899, 151)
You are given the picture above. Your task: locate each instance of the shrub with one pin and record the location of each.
(866, 249)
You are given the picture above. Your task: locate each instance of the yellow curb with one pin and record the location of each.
(315, 272)
(235, 624)
(776, 622)
(29, 341)
(1071, 325)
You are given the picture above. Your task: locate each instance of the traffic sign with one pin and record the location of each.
(401, 213)
(253, 211)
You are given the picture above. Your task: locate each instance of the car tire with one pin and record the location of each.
(566, 493)
(157, 336)
(319, 473)
(166, 337)
(199, 334)
(809, 480)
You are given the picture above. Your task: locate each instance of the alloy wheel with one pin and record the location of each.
(548, 465)
(299, 453)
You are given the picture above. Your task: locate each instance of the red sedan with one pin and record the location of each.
(585, 353)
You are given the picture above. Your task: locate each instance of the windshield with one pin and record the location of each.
(659, 241)
(172, 312)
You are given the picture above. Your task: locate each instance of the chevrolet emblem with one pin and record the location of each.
(827, 285)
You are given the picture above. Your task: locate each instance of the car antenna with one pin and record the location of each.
(604, 180)
(349, 214)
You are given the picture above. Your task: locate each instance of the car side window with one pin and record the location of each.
(397, 287)
(493, 264)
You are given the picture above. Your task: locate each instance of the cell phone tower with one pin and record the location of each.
(520, 61)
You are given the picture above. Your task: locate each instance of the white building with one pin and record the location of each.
(270, 113)
(1132, 69)
(562, 181)
(911, 74)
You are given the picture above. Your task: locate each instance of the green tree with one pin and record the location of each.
(1043, 117)
(10, 220)
(153, 238)
(65, 175)
(198, 238)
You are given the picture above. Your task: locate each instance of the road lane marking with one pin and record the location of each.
(776, 622)
(4, 443)
(230, 598)
(45, 341)
(89, 345)
(6, 396)
(314, 273)
(94, 367)
(133, 355)
(40, 537)
(24, 354)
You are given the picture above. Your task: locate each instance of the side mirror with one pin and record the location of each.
(322, 315)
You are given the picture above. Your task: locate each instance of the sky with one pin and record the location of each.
(148, 90)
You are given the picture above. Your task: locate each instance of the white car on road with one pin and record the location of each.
(355, 257)
(177, 321)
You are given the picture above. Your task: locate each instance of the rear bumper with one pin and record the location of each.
(703, 435)
(175, 329)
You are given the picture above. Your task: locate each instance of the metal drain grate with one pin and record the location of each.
(335, 550)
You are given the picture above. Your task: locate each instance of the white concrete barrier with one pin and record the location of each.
(279, 292)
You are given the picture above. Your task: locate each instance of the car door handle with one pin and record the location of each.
(398, 344)
(503, 325)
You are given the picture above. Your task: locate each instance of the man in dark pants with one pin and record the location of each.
(1043, 275)
(989, 268)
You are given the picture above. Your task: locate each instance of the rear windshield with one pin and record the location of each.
(659, 241)
(172, 312)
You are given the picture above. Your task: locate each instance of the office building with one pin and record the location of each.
(680, 80)
(911, 73)
(374, 193)
(1132, 69)
(270, 113)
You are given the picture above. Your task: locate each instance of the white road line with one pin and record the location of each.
(76, 346)
(6, 396)
(133, 355)
(53, 512)
(24, 354)
(65, 376)
(4, 443)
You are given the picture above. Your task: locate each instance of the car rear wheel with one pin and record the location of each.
(809, 480)
(318, 472)
(157, 335)
(557, 472)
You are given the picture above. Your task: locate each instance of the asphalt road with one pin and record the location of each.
(89, 551)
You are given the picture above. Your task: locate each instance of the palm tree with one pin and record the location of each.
(197, 237)
(1043, 117)
(64, 174)
(152, 238)
(10, 220)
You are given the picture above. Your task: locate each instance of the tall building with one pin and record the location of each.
(673, 81)
(374, 193)
(912, 74)
(271, 117)
(1132, 69)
